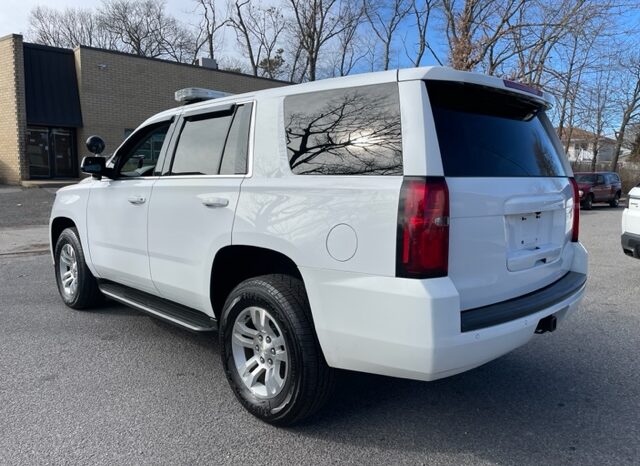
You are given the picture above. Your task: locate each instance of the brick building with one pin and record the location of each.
(52, 99)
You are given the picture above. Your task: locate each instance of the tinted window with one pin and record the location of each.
(139, 155)
(585, 178)
(353, 131)
(484, 132)
(200, 145)
(234, 161)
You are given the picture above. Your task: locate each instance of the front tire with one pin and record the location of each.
(76, 284)
(588, 202)
(270, 353)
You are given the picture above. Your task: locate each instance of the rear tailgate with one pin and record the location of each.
(511, 201)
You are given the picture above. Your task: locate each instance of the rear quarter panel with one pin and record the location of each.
(294, 214)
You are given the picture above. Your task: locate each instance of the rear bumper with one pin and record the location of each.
(630, 242)
(413, 328)
(523, 306)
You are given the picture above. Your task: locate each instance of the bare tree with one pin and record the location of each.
(629, 103)
(297, 69)
(144, 28)
(68, 28)
(421, 11)
(259, 31)
(633, 133)
(238, 22)
(570, 81)
(315, 22)
(597, 107)
(385, 16)
(139, 27)
(349, 50)
(208, 27)
(473, 29)
(542, 27)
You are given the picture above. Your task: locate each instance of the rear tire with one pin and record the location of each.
(76, 284)
(270, 353)
(588, 202)
(615, 202)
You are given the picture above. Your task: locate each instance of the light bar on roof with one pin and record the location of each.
(190, 95)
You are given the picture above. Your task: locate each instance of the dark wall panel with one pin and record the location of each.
(51, 87)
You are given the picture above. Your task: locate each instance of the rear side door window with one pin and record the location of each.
(351, 131)
(214, 143)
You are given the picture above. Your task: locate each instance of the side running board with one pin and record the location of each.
(164, 309)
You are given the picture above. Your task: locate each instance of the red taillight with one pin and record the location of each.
(575, 229)
(423, 228)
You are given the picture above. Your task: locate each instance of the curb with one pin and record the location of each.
(33, 252)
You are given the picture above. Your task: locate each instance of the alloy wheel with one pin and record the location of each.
(260, 352)
(68, 266)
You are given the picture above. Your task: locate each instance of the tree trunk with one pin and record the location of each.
(620, 140)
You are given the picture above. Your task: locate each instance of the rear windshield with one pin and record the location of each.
(484, 132)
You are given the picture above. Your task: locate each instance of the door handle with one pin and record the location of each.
(136, 200)
(215, 202)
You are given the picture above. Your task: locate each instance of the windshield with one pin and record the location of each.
(486, 132)
(585, 178)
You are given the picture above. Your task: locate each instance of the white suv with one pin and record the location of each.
(414, 223)
(631, 224)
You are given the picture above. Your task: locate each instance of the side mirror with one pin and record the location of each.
(94, 166)
(95, 144)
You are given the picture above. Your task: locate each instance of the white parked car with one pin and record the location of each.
(414, 223)
(631, 224)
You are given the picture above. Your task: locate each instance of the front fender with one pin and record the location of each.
(71, 202)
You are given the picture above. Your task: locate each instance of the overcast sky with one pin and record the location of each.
(14, 14)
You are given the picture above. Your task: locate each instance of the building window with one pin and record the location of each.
(51, 152)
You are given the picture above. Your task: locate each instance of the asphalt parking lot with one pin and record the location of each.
(114, 386)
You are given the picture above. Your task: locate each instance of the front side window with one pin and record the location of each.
(352, 131)
(140, 154)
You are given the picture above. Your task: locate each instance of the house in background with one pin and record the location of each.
(582, 143)
(52, 99)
